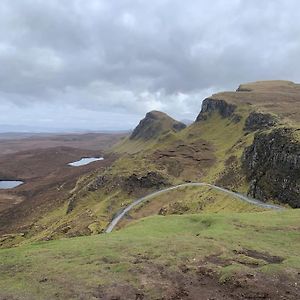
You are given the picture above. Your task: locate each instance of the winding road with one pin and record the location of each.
(239, 196)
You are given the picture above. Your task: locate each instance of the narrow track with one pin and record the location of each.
(238, 196)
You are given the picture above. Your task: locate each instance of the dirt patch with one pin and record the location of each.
(188, 281)
(217, 260)
(193, 283)
(271, 259)
(118, 292)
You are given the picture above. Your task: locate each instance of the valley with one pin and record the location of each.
(47, 179)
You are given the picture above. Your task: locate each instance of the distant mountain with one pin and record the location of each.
(33, 130)
(187, 121)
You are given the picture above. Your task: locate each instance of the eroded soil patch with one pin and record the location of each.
(271, 259)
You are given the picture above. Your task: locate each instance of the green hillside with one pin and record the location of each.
(230, 255)
(233, 131)
(185, 242)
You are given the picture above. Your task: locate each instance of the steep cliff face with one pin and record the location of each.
(154, 124)
(272, 165)
(257, 121)
(210, 105)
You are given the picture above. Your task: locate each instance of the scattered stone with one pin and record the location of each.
(45, 279)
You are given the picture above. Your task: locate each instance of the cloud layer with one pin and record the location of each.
(102, 64)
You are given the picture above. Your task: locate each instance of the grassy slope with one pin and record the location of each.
(189, 200)
(94, 210)
(132, 256)
(81, 267)
(276, 97)
(227, 138)
(92, 214)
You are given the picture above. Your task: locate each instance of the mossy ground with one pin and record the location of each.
(77, 268)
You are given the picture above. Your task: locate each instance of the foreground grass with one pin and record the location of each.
(80, 267)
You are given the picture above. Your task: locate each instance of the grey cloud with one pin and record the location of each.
(128, 56)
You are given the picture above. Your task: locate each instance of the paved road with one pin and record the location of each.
(116, 220)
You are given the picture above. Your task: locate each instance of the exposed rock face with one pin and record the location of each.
(136, 184)
(210, 105)
(243, 88)
(130, 183)
(257, 120)
(154, 124)
(148, 181)
(272, 164)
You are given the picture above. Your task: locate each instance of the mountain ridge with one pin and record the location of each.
(237, 143)
(155, 124)
(212, 150)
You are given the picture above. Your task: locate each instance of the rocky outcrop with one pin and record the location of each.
(149, 181)
(243, 88)
(272, 165)
(130, 183)
(210, 105)
(135, 184)
(155, 124)
(256, 121)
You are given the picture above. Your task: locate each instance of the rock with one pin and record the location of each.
(243, 88)
(257, 121)
(155, 124)
(176, 208)
(210, 105)
(272, 165)
(163, 211)
(150, 180)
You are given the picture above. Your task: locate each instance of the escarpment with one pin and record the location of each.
(210, 105)
(272, 165)
(267, 113)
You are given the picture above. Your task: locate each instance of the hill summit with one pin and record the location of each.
(154, 125)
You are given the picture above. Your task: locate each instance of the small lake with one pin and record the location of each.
(9, 184)
(84, 161)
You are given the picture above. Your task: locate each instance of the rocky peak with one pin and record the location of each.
(210, 105)
(154, 124)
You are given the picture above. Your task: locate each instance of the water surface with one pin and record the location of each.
(84, 161)
(10, 184)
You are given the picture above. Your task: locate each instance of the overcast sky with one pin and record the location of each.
(95, 64)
